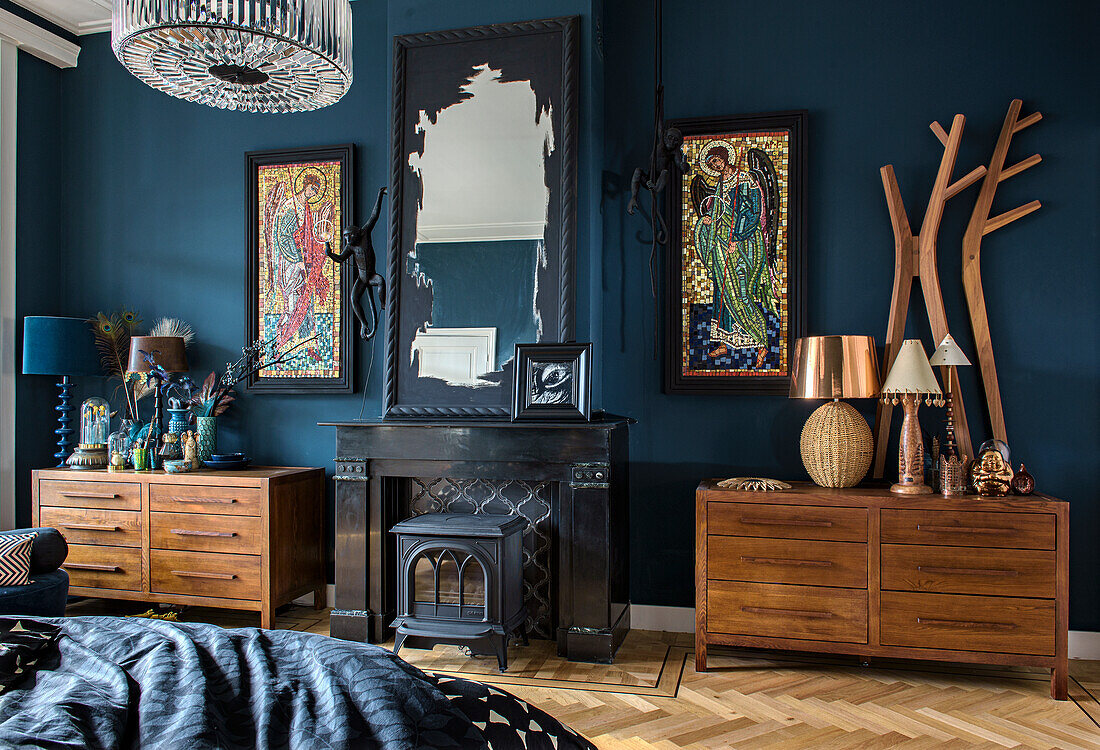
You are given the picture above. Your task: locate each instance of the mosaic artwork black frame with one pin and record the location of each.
(674, 380)
(345, 154)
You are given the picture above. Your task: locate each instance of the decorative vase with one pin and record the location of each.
(207, 428)
(141, 459)
(179, 420)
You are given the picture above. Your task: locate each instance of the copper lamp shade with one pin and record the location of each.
(168, 351)
(834, 367)
(836, 441)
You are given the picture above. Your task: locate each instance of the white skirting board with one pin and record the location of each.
(1083, 644)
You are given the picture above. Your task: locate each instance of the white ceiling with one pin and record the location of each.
(77, 16)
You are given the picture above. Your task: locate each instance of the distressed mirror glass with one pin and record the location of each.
(483, 211)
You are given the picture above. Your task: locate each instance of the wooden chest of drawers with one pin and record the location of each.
(862, 571)
(249, 539)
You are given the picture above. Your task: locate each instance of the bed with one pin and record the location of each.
(110, 682)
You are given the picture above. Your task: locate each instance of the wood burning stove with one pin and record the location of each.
(460, 581)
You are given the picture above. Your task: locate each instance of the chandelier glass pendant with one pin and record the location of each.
(246, 55)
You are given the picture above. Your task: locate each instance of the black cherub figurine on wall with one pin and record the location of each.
(357, 242)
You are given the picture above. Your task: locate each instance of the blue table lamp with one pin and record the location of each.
(65, 347)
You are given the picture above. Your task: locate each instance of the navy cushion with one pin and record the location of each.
(45, 596)
(48, 551)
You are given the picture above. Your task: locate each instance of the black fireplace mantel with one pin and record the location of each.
(584, 465)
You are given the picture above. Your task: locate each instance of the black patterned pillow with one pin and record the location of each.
(15, 559)
(505, 721)
(23, 643)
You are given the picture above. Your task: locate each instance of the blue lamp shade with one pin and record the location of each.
(59, 346)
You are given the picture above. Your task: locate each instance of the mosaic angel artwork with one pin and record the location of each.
(733, 281)
(299, 212)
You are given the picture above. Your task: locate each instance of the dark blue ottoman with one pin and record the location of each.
(48, 591)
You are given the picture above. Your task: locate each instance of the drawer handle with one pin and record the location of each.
(966, 624)
(196, 574)
(761, 521)
(962, 529)
(90, 495)
(788, 612)
(208, 500)
(191, 532)
(93, 566)
(90, 526)
(787, 561)
(967, 571)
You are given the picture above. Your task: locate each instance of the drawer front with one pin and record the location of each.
(114, 528)
(769, 610)
(100, 567)
(192, 531)
(70, 494)
(999, 624)
(197, 498)
(969, 570)
(814, 563)
(969, 528)
(205, 574)
(787, 521)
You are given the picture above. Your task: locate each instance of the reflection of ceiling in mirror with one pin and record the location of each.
(482, 170)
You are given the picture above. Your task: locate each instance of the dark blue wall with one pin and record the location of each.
(147, 192)
(873, 76)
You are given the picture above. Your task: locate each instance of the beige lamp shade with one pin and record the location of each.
(169, 352)
(911, 372)
(834, 367)
(948, 354)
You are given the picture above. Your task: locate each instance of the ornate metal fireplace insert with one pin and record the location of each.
(460, 581)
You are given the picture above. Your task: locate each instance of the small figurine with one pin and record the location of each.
(190, 450)
(1023, 483)
(991, 474)
(358, 243)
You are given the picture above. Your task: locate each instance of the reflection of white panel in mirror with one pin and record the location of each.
(481, 220)
(460, 356)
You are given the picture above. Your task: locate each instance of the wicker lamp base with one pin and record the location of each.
(836, 445)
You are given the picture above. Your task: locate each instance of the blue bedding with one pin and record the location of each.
(136, 683)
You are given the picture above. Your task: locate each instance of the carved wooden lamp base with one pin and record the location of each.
(910, 451)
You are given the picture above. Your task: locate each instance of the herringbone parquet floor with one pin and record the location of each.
(652, 698)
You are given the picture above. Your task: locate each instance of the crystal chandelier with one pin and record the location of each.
(247, 55)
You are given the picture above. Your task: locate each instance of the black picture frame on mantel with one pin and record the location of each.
(552, 382)
(707, 352)
(429, 73)
(342, 155)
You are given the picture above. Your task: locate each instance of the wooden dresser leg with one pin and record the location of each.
(1059, 681)
(700, 655)
(267, 618)
(320, 597)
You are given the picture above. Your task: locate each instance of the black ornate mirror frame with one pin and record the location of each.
(561, 221)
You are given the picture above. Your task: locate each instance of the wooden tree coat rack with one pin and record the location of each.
(980, 225)
(915, 258)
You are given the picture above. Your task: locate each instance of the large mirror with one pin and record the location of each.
(483, 211)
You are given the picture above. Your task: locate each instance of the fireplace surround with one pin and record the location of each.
(568, 480)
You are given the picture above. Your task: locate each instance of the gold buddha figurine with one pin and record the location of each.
(991, 474)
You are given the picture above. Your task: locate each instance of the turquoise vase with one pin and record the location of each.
(179, 420)
(208, 436)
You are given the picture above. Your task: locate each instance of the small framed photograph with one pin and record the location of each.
(552, 381)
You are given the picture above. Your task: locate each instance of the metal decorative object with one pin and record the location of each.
(246, 55)
(753, 484)
(530, 500)
(459, 582)
(991, 473)
(358, 243)
(954, 479)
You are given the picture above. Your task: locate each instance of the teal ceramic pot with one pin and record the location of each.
(179, 420)
(207, 428)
